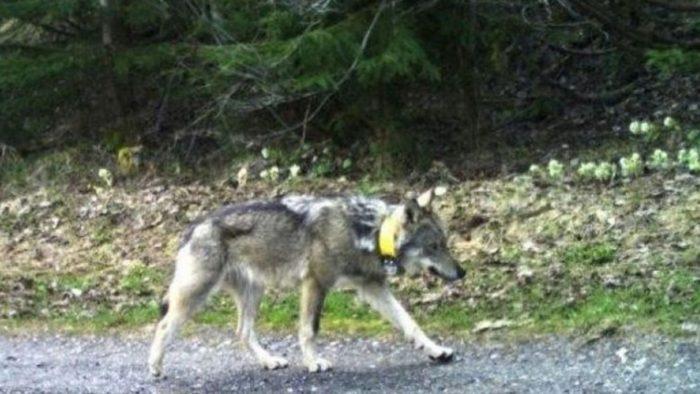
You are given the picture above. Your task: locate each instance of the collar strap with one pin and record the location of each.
(388, 232)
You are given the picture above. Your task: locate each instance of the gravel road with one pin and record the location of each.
(211, 362)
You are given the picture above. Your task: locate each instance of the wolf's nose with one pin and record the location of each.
(460, 272)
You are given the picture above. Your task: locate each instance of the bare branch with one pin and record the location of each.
(611, 21)
(676, 5)
(55, 30)
(582, 52)
(7, 153)
(524, 11)
(607, 97)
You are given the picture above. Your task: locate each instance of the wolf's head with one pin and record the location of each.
(424, 242)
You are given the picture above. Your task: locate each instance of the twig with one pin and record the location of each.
(550, 25)
(594, 10)
(6, 151)
(306, 122)
(53, 29)
(582, 52)
(676, 6)
(565, 4)
(608, 97)
(162, 107)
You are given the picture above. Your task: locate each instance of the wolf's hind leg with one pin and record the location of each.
(311, 303)
(248, 300)
(189, 289)
(380, 298)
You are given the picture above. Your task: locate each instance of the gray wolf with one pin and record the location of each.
(316, 243)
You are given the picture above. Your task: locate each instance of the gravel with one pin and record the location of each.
(211, 361)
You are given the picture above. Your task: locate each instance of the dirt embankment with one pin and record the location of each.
(527, 246)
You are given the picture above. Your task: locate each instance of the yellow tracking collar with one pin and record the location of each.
(388, 233)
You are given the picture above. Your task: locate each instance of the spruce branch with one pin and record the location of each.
(336, 85)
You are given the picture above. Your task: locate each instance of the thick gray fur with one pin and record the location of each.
(315, 243)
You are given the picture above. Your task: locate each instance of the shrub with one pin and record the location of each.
(659, 160)
(631, 166)
(690, 158)
(586, 171)
(555, 170)
(604, 172)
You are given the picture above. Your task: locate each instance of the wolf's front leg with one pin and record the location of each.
(380, 298)
(250, 298)
(311, 304)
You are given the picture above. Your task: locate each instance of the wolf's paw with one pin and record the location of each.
(274, 362)
(441, 354)
(318, 365)
(156, 371)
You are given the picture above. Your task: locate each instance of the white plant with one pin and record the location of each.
(270, 174)
(106, 176)
(555, 169)
(693, 162)
(604, 172)
(440, 191)
(670, 123)
(294, 171)
(242, 176)
(265, 153)
(659, 160)
(648, 130)
(635, 127)
(693, 136)
(631, 166)
(586, 170)
(535, 170)
(274, 173)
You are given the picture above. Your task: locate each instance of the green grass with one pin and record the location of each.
(341, 313)
(529, 309)
(48, 170)
(61, 302)
(596, 253)
(81, 283)
(141, 280)
(643, 308)
(104, 318)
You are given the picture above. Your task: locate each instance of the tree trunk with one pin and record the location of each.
(108, 44)
(107, 22)
(470, 88)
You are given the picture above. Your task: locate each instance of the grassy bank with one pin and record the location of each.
(636, 309)
(541, 257)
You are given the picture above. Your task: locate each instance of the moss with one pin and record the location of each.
(595, 253)
(141, 280)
